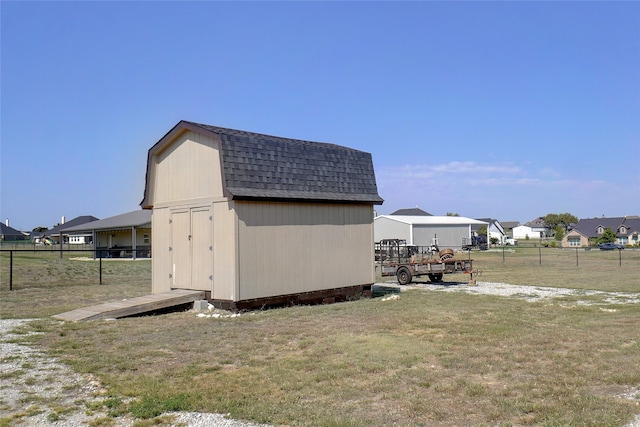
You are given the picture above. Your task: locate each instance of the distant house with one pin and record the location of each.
(421, 230)
(586, 231)
(10, 234)
(508, 227)
(534, 229)
(126, 235)
(57, 235)
(254, 219)
(411, 212)
(494, 229)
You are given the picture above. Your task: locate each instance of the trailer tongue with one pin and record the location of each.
(404, 261)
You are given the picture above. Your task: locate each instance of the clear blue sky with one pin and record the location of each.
(510, 110)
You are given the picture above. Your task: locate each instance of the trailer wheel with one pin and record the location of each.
(436, 277)
(404, 276)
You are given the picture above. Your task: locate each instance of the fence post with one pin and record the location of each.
(576, 257)
(10, 270)
(100, 256)
(540, 255)
(620, 257)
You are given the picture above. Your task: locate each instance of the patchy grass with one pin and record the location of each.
(45, 285)
(567, 268)
(424, 358)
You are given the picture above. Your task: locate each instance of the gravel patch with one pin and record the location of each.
(38, 390)
(528, 293)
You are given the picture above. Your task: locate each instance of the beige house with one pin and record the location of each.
(259, 220)
(126, 235)
(587, 231)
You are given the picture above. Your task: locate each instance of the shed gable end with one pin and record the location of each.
(187, 168)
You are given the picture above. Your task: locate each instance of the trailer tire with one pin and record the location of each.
(404, 276)
(436, 277)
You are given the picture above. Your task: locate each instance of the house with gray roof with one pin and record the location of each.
(10, 234)
(534, 229)
(508, 227)
(56, 234)
(411, 212)
(588, 230)
(255, 219)
(127, 235)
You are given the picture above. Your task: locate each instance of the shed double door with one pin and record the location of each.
(192, 248)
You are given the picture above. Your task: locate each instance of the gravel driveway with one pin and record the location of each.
(39, 391)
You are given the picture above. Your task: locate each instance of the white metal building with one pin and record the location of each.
(445, 231)
(255, 219)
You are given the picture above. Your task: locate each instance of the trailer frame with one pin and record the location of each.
(404, 261)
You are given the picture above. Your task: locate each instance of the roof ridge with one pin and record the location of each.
(237, 132)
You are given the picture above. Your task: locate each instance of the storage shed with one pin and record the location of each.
(444, 231)
(258, 220)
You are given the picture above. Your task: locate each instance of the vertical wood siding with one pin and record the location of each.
(287, 248)
(225, 250)
(160, 261)
(189, 168)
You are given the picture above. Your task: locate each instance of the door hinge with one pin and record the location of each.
(170, 248)
(210, 248)
(170, 221)
(170, 276)
(210, 277)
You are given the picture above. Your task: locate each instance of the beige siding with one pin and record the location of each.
(187, 169)
(287, 248)
(160, 261)
(207, 260)
(578, 240)
(225, 262)
(201, 239)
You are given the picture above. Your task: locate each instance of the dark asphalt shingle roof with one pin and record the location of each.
(55, 231)
(7, 231)
(411, 212)
(257, 166)
(589, 226)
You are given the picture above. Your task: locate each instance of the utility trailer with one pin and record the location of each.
(404, 261)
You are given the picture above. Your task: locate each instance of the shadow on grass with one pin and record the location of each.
(378, 291)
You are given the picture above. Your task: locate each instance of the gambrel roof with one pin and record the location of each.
(257, 166)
